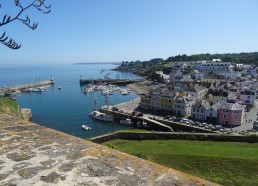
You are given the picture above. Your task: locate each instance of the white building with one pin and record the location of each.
(165, 77)
(232, 75)
(183, 104)
(212, 65)
(196, 91)
(186, 78)
(212, 112)
(176, 74)
(247, 97)
(199, 110)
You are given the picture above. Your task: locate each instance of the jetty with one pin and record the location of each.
(6, 91)
(109, 81)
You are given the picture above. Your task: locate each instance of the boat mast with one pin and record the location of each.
(106, 101)
(95, 104)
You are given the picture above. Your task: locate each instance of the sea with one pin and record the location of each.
(68, 108)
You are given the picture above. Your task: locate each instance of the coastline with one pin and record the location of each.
(139, 88)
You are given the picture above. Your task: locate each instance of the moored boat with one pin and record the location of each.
(127, 121)
(102, 116)
(86, 127)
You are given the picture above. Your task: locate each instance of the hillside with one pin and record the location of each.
(148, 68)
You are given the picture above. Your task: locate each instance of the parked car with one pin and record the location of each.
(138, 114)
(167, 117)
(121, 111)
(114, 109)
(173, 118)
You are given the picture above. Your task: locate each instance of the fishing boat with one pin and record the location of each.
(86, 127)
(103, 116)
(127, 121)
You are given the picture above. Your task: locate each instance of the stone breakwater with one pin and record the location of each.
(34, 155)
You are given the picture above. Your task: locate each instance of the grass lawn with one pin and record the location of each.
(8, 106)
(227, 163)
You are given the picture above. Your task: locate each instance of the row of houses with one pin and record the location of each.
(196, 101)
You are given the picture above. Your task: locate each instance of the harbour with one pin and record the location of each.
(68, 108)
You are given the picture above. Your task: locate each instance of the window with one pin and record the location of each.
(225, 116)
(248, 97)
(194, 109)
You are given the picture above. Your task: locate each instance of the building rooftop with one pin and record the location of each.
(34, 155)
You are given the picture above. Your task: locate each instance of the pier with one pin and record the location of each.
(6, 91)
(109, 81)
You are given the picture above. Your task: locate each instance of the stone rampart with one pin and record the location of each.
(34, 155)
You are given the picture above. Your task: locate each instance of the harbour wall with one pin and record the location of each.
(152, 124)
(109, 81)
(13, 90)
(175, 136)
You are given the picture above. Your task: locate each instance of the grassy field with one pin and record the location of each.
(227, 163)
(8, 106)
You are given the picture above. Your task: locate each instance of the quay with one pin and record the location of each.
(18, 88)
(109, 81)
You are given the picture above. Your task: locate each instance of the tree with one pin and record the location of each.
(40, 5)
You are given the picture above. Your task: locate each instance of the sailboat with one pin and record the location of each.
(100, 115)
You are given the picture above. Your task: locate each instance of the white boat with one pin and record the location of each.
(102, 116)
(126, 121)
(124, 92)
(86, 127)
(141, 124)
(87, 90)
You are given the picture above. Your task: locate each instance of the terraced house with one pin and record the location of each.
(196, 91)
(199, 110)
(231, 114)
(183, 104)
(166, 99)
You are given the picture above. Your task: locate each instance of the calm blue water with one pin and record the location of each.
(66, 109)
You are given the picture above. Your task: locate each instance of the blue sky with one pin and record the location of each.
(129, 30)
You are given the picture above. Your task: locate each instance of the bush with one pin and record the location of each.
(140, 155)
(110, 145)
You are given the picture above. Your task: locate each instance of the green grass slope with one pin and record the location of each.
(9, 106)
(227, 163)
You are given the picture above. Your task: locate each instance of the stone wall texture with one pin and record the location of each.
(34, 155)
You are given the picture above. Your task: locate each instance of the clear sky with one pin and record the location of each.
(129, 30)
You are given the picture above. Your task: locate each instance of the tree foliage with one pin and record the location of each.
(242, 58)
(40, 5)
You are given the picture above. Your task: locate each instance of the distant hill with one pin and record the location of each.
(97, 63)
(241, 58)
